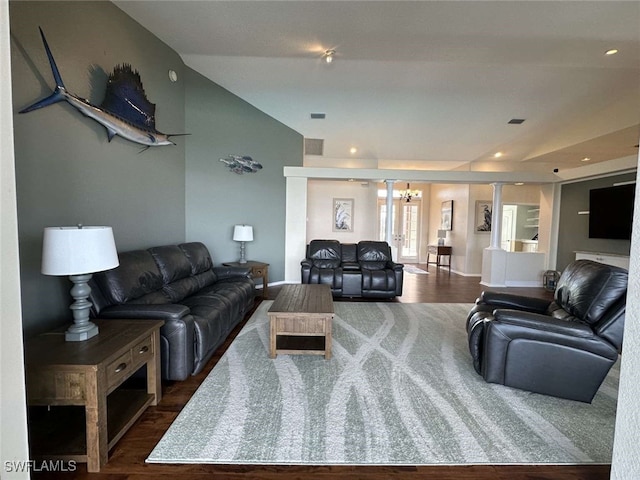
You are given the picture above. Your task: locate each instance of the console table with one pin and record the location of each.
(258, 270)
(439, 251)
(66, 376)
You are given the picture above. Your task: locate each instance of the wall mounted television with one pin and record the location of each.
(611, 212)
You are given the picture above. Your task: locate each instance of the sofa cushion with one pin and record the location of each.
(373, 255)
(136, 277)
(172, 263)
(587, 289)
(198, 256)
(176, 272)
(325, 253)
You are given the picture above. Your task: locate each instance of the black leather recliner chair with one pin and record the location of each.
(564, 347)
(365, 269)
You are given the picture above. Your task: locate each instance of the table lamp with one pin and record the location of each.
(242, 234)
(79, 252)
(442, 234)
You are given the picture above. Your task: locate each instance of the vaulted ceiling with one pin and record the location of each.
(425, 84)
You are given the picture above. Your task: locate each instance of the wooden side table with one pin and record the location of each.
(258, 270)
(89, 374)
(439, 251)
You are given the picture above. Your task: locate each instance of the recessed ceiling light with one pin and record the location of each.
(519, 184)
(498, 154)
(611, 51)
(585, 159)
(353, 150)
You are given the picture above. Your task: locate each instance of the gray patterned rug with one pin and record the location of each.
(400, 389)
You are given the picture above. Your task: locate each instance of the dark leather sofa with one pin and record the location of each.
(365, 269)
(199, 303)
(563, 347)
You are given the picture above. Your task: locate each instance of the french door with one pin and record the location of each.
(406, 228)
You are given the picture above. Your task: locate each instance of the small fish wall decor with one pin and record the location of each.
(125, 110)
(240, 165)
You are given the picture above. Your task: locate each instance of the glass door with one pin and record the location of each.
(406, 228)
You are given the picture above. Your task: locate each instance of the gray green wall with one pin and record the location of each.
(67, 172)
(573, 234)
(220, 124)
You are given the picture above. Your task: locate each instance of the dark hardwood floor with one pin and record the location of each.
(126, 459)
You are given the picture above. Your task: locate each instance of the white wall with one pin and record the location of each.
(13, 416)
(320, 195)
(626, 461)
(457, 237)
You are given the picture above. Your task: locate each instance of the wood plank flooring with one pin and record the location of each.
(126, 459)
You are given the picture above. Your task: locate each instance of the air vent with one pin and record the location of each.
(318, 116)
(516, 121)
(313, 146)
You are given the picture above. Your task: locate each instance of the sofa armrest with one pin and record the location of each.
(543, 323)
(514, 302)
(176, 335)
(232, 272)
(165, 311)
(511, 325)
(396, 267)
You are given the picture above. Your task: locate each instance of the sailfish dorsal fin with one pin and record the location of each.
(125, 97)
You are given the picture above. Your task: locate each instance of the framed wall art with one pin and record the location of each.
(483, 216)
(446, 218)
(343, 214)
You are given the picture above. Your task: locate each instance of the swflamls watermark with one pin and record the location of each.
(20, 466)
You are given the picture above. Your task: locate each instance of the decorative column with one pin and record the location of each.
(496, 217)
(494, 258)
(389, 219)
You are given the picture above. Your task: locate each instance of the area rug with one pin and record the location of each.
(414, 270)
(399, 390)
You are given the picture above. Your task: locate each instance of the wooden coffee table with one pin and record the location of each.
(300, 321)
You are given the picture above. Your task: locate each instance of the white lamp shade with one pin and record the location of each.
(243, 233)
(78, 250)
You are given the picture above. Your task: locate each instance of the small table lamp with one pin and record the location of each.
(442, 234)
(79, 252)
(243, 233)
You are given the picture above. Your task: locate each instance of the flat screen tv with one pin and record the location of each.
(611, 212)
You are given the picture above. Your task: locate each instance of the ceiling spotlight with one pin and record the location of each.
(612, 51)
(585, 159)
(519, 184)
(353, 150)
(328, 55)
(498, 154)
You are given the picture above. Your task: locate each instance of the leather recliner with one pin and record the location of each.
(365, 269)
(564, 347)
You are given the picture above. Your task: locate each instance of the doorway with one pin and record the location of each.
(406, 228)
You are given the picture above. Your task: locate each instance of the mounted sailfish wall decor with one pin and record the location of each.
(125, 110)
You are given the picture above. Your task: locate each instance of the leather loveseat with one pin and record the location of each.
(563, 347)
(199, 304)
(365, 269)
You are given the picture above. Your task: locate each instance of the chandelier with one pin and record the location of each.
(409, 194)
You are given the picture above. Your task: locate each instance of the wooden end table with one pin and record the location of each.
(258, 270)
(300, 321)
(88, 374)
(439, 251)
